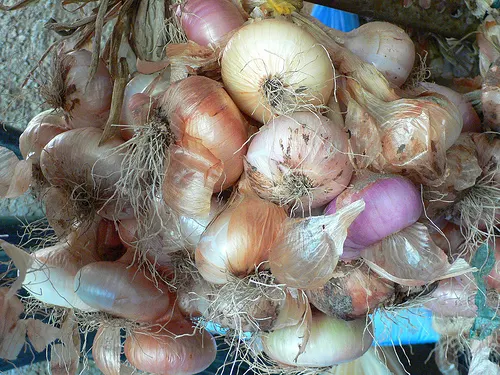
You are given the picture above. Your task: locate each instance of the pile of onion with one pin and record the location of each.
(266, 175)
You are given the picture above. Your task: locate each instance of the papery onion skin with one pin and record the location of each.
(279, 75)
(449, 237)
(146, 85)
(157, 351)
(171, 233)
(50, 278)
(86, 104)
(73, 159)
(392, 203)
(12, 328)
(306, 252)
(239, 239)
(454, 297)
(299, 160)
(332, 341)
(471, 120)
(206, 21)
(490, 97)
(40, 130)
(106, 350)
(199, 108)
(356, 292)
(386, 46)
(122, 291)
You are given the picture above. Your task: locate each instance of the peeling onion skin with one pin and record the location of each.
(332, 341)
(74, 159)
(85, 105)
(354, 294)
(199, 108)
(299, 160)
(392, 203)
(451, 241)
(122, 291)
(157, 351)
(471, 120)
(140, 87)
(205, 22)
(239, 239)
(40, 131)
(50, 280)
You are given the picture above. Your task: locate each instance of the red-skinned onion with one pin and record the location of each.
(392, 203)
(206, 21)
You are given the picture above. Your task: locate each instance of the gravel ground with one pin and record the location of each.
(24, 40)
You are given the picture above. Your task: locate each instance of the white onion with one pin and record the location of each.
(281, 74)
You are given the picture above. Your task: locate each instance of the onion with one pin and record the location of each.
(200, 108)
(106, 350)
(271, 76)
(454, 297)
(167, 233)
(74, 161)
(51, 272)
(50, 276)
(40, 130)
(122, 291)
(332, 341)
(409, 257)
(15, 174)
(141, 86)
(490, 97)
(386, 46)
(488, 153)
(85, 103)
(178, 349)
(476, 210)
(471, 120)
(242, 305)
(299, 160)
(462, 171)
(487, 41)
(307, 250)
(238, 240)
(391, 203)
(346, 62)
(449, 237)
(407, 136)
(205, 22)
(353, 293)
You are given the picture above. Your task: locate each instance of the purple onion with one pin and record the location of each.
(206, 21)
(392, 203)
